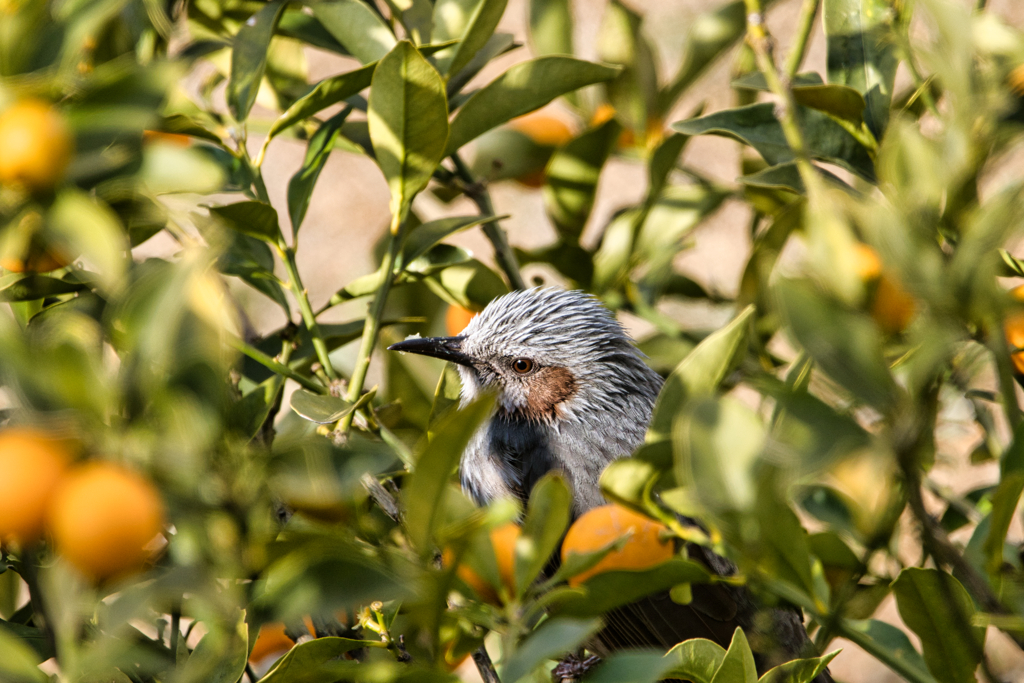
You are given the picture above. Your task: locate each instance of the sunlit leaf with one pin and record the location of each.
(324, 94)
(547, 518)
(695, 660)
(249, 58)
(738, 664)
(471, 22)
(251, 218)
(356, 26)
(798, 670)
(300, 187)
(303, 662)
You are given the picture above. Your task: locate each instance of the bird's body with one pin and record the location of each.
(574, 394)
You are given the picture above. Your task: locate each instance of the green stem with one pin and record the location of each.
(882, 654)
(287, 255)
(271, 364)
(371, 327)
(757, 38)
(808, 11)
(503, 253)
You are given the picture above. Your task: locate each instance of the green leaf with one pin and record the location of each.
(424, 237)
(424, 491)
(699, 374)
(630, 667)
(738, 663)
(302, 663)
(19, 663)
(523, 88)
(551, 27)
(756, 125)
(571, 179)
(939, 610)
(1004, 500)
(30, 286)
(612, 589)
(695, 660)
(633, 92)
(798, 670)
(862, 53)
(471, 22)
(548, 514)
(439, 257)
(248, 414)
(628, 480)
(251, 260)
(812, 431)
(251, 218)
(300, 187)
(323, 409)
(356, 26)
(221, 656)
(249, 58)
(845, 344)
(471, 285)
(408, 117)
(894, 640)
(84, 225)
(324, 94)
(552, 639)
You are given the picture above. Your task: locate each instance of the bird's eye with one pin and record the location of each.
(522, 365)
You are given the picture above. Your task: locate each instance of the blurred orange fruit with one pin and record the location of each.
(644, 548)
(456, 319)
(36, 143)
(176, 139)
(544, 130)
(1016, 80)
(1013, 328)
(891, 305)
(37, 260)
(104, 518)
(503, 540)
(271, 640)
(653, 133)
(31, 466)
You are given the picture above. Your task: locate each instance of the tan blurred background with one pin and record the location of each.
(349, 211)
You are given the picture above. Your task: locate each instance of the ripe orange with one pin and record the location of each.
(503, 540)
(271, 640)
(545, 130)
(176, 139)
(456, 319)
(1013, 328)
(36, 144)
(103, 518)
(31, 466)
(653, 133)
(890, 304)
(1016, 80)
(598, 527)
(37, 260)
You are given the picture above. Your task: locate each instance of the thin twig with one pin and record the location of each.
(503, 253)
(808, 11)
(273, 365)
(485, 666)
(287, 255)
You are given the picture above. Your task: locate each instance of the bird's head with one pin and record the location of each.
(551, 355)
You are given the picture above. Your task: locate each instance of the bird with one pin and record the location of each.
(573, 394)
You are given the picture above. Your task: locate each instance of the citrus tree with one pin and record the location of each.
(182, 499)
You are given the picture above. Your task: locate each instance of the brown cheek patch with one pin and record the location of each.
(548, 389)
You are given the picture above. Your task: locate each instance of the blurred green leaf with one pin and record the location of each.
(571, 260)
(30, 286)
(523, 88)
(86, 226)
(324, 94)
(798, 670)
(300, 187)
(738, 664)
(356, 26)
(628, 481)
(547, 517)
(302, 664)
(471, 22)
(553, 638)
(408, 117)
(862, 54)
(812, 431)
(634, 90)
(845, 344)
(939, 610)
(756, 125)
(1005, 499)
(19, 663)
(630, 667)
(611, 589)
(251, 218)
(699, 374)
(551, 27)
(248, 414)
(323, 409)
(828, 505)
(571, 179)
(249, 58)
(497, 44)
(895, 641)
(250, 259)
(447, 394)
(670, 219)
(221, 655)
(695, 660)
(425, 489)
(295, 23)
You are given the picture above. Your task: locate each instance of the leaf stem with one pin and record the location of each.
(808, 11)
(503, 253)
(760, 43)
(287, 255)
(273, 365)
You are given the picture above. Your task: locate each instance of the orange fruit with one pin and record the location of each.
(36, 143)
(1013, 328)
(596, 528)
(271, 640)
(1016, 80)
(653, 133)
(37, 260)
(176, 139)
(103, 518)
(890, 304)
(456, 319)
(31, 466)
(503, 540)
(545, 130)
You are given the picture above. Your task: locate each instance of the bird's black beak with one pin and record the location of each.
(445, 348)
